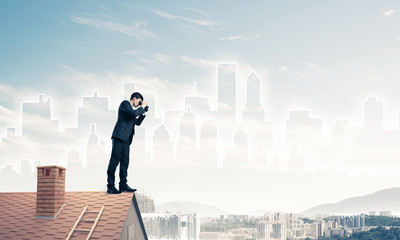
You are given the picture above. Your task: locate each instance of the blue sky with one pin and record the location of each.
(39, 35)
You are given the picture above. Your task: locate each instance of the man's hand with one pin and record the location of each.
(144, 104)
(128, 109)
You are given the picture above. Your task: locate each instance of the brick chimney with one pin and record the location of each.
(50, 196)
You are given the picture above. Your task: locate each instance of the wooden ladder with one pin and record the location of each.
(90, 231)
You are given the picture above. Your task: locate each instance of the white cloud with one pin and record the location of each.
(136, 68)
(162, 57)
(106, 9)
(185, 19)
(157, 57)
(283, 69)
(389, 13)
(233, 37)
(199, 62)
(192, 29)
(136, 30)
(195, 10)
(311, 70)
(140, 58)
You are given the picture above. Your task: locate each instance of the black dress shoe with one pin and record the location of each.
(126, 188)
(113, 190)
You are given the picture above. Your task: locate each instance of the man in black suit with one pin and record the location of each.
(130, 113)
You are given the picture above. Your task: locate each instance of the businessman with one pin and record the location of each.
(130, 113)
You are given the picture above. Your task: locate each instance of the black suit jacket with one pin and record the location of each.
(124, 128)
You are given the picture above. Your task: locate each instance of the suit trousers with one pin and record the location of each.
(119, 154)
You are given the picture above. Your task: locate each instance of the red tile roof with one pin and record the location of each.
(18, 221)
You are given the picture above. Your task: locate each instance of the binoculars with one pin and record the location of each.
(146, 108)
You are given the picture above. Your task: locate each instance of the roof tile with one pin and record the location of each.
(18, 209)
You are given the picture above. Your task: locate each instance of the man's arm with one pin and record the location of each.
(126, 107)
(140, 119)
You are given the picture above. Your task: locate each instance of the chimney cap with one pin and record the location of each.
(52, 166)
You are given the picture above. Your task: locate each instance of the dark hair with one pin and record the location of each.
(136, 95)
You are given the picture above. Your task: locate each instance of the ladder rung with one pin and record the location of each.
(82, 230)
(88, 220)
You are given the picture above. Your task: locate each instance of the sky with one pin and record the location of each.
(297, 48)
(323, 56)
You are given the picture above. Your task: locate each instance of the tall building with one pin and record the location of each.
(297, 161)
(362, 222)
(95, 109)
(267, 230)
(227, 87)
(75, 170)
(187, 124)
(96, 162)
(150, 99)
(259, 155)
(138, 147)
(237, 155)
(162, 153)
(208, 152)
(341, 135)
(36, 120)
(142, 141)
(198, 104)
(385, 213)
(186, 145)
(39, 129)
(145, 203)
(373, 114)
(253, 114)
(11, 140)
(317, 229)
(253, 90)
(129, 88)
(179, 226)
(302, 129)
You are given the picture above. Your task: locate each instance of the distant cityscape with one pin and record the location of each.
(269, 226)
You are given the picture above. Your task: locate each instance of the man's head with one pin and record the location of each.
(136, 98)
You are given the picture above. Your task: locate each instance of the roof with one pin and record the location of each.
(18, 221)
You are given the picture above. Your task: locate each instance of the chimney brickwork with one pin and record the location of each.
(50, 195)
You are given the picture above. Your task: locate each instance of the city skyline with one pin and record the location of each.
(93, 144)
(373, 119)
